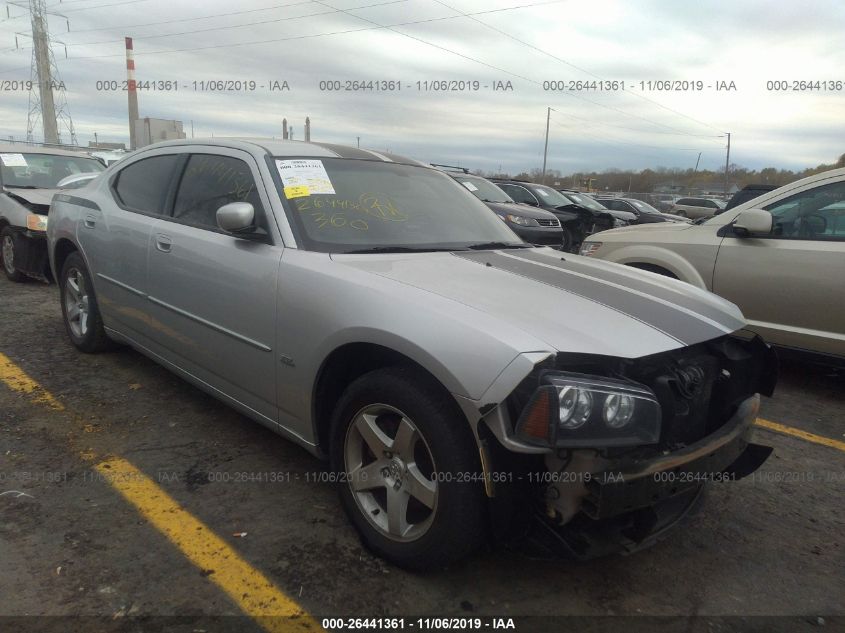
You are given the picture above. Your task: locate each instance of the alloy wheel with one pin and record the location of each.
(390, 471)
(9, 254)
(76, 303)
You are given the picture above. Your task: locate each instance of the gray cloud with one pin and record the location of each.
(746, 42)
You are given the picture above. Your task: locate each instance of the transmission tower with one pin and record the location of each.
(47, 96)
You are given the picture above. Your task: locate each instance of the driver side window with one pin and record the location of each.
(209, 182)
(521, 194)
(816, 214)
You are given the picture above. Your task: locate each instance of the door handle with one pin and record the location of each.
(163, 243)
(90, 221)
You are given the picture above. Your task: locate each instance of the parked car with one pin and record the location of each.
(663, 201)
(533, 225)
(748, 192)
(29, 176)
(587, 201)
(373, 310)
(552, 200)
(780, 257)
(643, 211)
(696, 208)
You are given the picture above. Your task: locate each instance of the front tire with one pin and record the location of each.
(406, 456)
(7, 255)
(80, 311)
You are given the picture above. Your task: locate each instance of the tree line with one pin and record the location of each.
(647, 180)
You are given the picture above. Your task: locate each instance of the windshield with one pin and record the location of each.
(644, 207)
(551, 196)
(483, 189)
(43, 171)
(342, 205)
(585, 201)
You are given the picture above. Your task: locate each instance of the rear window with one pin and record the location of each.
(142, 186)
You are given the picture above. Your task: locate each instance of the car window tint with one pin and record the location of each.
(816, 214)
(520, 194)
(142, 186)
(209, 182)
(686, 201)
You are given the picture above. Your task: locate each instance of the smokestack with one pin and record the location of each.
(285, 129)
(132, 91)
(307, 129)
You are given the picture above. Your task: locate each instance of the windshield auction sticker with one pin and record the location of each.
(13, 160)
(304, 178)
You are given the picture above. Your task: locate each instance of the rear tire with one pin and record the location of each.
(399, 447)
(7, 255)
(80, 311)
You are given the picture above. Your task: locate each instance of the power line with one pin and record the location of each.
(204, 17)
(325, 34)
(570, 64)
(478, 61)
(238, 26)
(621, 142)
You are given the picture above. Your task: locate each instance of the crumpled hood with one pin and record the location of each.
(572, 303)
(33, 196)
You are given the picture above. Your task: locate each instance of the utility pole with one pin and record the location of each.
(727, 162)
(359, 141)
(51, 109)
(697, 160)
(546, 148)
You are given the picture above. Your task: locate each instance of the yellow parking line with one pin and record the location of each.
(17, 380)
(804, 435)
(253, 592)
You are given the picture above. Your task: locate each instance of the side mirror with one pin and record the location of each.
(751, 222)
(236, 217)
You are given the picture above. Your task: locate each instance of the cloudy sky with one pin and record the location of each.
(524, 42)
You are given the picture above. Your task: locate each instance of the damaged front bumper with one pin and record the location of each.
(726, 455)
(598, 491)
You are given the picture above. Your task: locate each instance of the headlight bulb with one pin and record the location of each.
(575, 407)
(618, 410)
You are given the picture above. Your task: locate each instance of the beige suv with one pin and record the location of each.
(779, 257)
(695, 208)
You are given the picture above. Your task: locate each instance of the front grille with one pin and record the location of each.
(549, 222)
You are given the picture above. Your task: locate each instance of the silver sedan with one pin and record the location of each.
(373, 310)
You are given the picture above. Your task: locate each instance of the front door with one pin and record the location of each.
(216, 293)
(790, 284)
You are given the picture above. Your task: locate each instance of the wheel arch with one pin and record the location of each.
(348, 362)
(640, 256)
(63, 248)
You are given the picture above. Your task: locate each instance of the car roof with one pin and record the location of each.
(282, 148)
(16, 148)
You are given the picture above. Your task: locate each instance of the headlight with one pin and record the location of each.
(617, 223)
(518, 219)
(35, 222)
(590, 411)
(589, 248)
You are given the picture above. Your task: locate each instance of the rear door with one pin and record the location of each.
(215, 293)
(115, 240)
(790, 283)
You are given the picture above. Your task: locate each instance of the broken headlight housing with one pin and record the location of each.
(578, 410)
